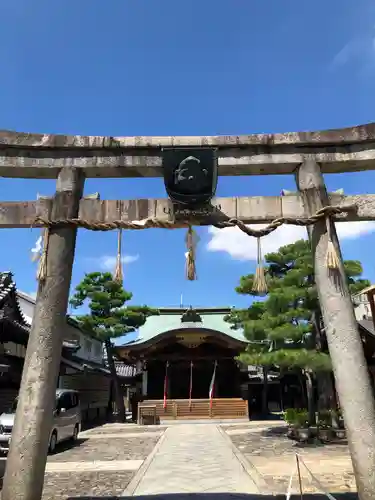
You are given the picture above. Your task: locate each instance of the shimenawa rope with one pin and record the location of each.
(260, 285)
(163, 224)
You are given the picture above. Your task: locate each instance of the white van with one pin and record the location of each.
(66, 422)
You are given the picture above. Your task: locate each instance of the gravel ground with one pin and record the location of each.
(333, 483)
(254, 425)
(89, 450)
(94, 484)
(274, 443)
(269, 449)
(65, 485)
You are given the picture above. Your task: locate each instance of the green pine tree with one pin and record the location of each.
(108, 318)
(285, 330)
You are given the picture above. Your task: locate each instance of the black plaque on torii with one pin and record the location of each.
(190, 176)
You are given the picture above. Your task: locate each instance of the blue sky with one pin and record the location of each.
(147, 67)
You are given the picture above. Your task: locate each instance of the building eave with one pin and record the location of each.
(199, 310)
(138, 347)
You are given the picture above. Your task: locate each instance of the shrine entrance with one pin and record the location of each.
(192, 361)
(190, 167)
(198, 373)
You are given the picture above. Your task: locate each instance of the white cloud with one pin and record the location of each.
(348, 52)
(360, 50)
(242, 247)
(108, 262)
(352, 230)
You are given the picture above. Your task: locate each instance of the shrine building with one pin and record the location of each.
(186, 367)
(186, 364)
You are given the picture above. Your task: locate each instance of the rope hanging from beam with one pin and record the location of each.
(191, 243)
(118, 274)
(332, 259)
(259, 285)
(164, 224)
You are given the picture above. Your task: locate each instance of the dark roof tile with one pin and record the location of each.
(368, 325)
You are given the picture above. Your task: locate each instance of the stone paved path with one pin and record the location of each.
(194, 459)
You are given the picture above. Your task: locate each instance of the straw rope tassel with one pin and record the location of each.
(118, 276)
(42, 267)
(259, 284)
(332, 258)
(191, 272)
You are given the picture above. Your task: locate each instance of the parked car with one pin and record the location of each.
(66, 421)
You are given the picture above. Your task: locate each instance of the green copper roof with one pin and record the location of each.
(156, 325)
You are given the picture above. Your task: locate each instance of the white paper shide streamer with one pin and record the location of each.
(39, 253)
(36, 251)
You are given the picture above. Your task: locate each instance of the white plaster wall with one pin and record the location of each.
(362, 310)
(362, 307)
(90, 350)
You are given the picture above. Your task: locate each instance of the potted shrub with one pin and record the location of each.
(325, 433)
(340, 433)
(302, 425)
(340, 430)
(291, 420)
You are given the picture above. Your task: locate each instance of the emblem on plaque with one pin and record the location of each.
(190, 176)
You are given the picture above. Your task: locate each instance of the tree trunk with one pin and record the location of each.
(302, 384)
(335, 396)
(334, 404)
(371, 380)
(119, 397)
(326, 398)
(310, 398)
(281, 395)
(344, 342)
(265, 392)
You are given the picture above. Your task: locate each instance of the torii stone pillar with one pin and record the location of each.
(27, 457)
(345, 346)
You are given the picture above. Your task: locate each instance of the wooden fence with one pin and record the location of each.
(196, 409)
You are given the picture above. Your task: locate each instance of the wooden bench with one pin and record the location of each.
(147, 415)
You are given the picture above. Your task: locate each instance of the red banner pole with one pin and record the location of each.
(212, 386)
(165, 386)
(191, 383)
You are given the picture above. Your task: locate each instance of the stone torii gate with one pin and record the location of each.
(70, 159)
